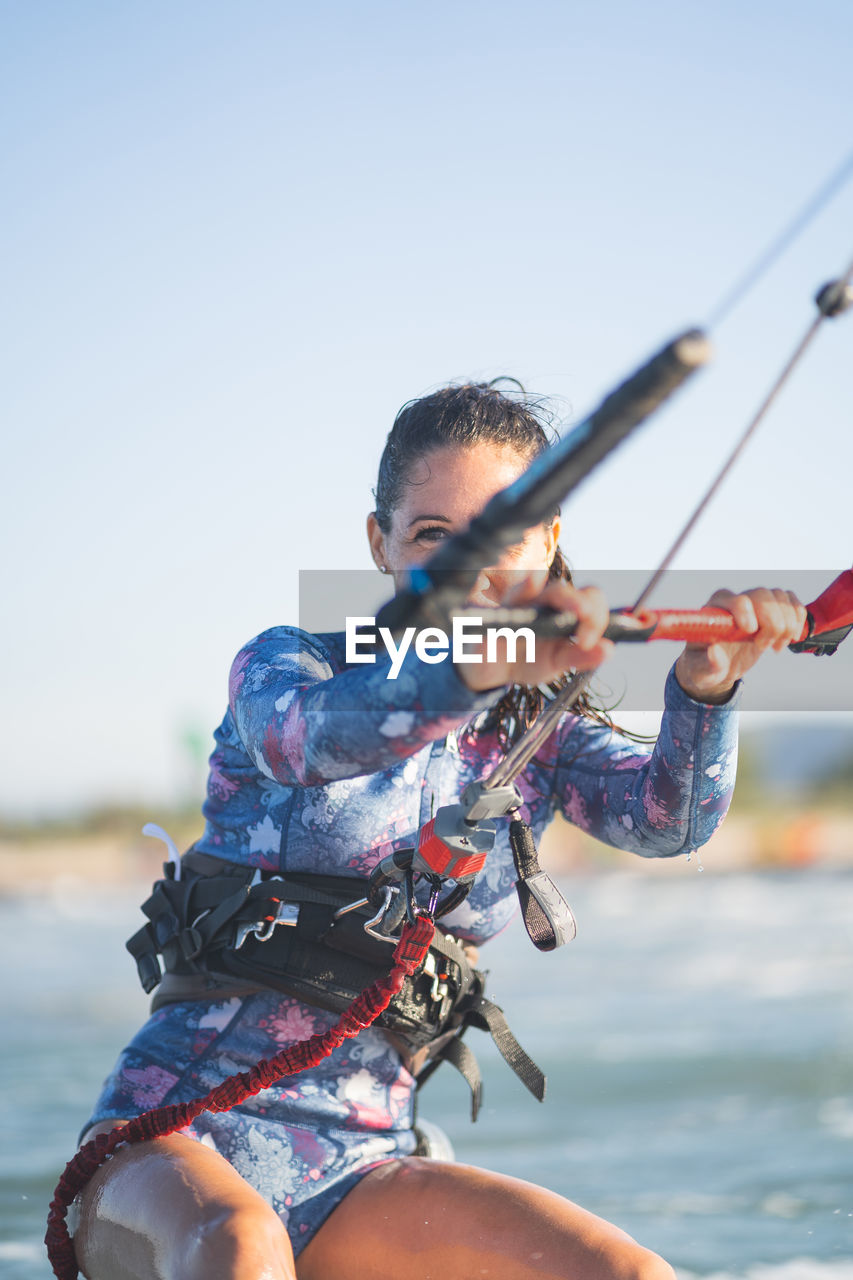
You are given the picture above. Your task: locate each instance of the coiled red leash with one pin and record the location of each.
(409, 955)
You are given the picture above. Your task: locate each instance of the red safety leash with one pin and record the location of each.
(409, 955)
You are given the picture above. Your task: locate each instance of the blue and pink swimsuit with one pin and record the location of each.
(324, 767)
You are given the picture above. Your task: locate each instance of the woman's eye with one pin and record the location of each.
(432, 533)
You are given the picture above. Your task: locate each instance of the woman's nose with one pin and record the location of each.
(496, 583)
(485, 587)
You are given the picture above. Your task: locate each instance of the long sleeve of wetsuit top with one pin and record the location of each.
(305, 722)
(659, 803)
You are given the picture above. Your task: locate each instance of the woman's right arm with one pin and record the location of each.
(305, 722)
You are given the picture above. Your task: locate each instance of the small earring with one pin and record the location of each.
(383, 568)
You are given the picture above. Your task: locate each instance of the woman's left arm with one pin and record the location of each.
(673, 800)
(660, 803)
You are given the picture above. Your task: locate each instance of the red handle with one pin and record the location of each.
(832, 610)
(696, 626)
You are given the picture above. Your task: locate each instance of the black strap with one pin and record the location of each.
(547, 916)
(460, 1056)
(143, 947)
(490, 1017)
(203, 909)
(486, 1016)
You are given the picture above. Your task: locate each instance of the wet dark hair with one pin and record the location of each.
(463, 416)
(467, 415)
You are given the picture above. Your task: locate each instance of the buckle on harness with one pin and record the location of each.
(191, 942)
(439, 988)
(384, 916)
(287, 913)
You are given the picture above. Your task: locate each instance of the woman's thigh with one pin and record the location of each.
(176, 1210)
(431, 1221)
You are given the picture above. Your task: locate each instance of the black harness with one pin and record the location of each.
(219, 925)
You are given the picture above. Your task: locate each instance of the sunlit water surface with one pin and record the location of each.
(697, 1037)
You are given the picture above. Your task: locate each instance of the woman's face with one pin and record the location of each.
(446, 489)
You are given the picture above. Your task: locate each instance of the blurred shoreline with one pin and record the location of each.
(770, 838)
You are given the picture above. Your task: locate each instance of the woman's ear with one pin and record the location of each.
(552, 537)
(376, 538)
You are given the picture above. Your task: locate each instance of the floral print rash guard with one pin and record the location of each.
(327, 767)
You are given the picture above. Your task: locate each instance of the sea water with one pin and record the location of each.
(697, 1037)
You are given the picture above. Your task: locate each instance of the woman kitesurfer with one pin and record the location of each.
(327, 767)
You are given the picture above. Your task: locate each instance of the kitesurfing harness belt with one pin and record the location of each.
(222, 928)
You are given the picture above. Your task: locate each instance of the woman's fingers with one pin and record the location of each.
(740, 607)
(586, 648)
(794, 617)
(582, 651)
(590, 605)
(773, 617)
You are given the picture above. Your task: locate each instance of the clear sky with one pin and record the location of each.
(238, 237)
